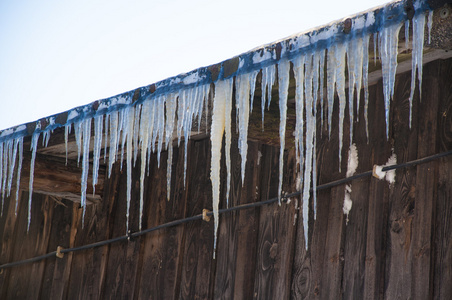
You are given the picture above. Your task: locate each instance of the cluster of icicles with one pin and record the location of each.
(149, 126)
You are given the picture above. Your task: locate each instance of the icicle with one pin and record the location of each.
(310, 133)
(113, 140)
(12, 164)
(129, 114)
(144, 144)
(190, 106)
(67, 131)
(243, 85)
(169, 129)
(78, 139)
(19, 171)
(45, 138)
(160, 126)
(330, 84)
(33, 148)
(98, 127)
(136, 130)
(407, 33)
(6, 153)
(321, 54)
(299, 106)
(366, 80)
(389, 37)
(355, 73)
(416, 60)
(123, 125)
(223, 95)
(107, 118)
(341, 49)
(86, 136)
(253, 76)
(268, 80)
(283, 80)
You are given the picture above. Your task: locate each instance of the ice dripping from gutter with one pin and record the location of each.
(366, 81)
(310, 133)
(144, 142)
(416, 60)
(388, 42)
(283, 78)
(98, 127)
(33, 148)
(221, 112)
(128, 131)
(149, 123)
(169, 129)
(243, 85)
(85, 138)
(19, 171)
(268, 79)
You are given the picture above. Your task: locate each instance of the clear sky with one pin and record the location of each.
(56, 55)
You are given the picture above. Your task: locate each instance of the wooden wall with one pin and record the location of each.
(397, 243)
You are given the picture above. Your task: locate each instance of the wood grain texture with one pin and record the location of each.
(426, 186)
(26, 280)
(198, 267)
(161, 254)
(442, 289)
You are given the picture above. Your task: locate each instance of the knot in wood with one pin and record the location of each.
(273, 251)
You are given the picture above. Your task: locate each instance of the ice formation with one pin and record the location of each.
(332, 58)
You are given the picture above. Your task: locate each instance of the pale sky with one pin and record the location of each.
(56, 55)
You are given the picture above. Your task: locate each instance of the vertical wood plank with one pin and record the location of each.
(89, 266)
(198, 266)
(161, 254)
(25, 280)
(276, 236)
(398, 248)
(426, 181)
(442, 288)
(53, 279)
(8, 227)
(356, 229)
(237, 233)
(123, 256)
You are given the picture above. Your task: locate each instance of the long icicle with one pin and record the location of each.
(223, 94)
(33, 148)
(283, 78)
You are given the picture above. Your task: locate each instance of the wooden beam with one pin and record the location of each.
(52, 176)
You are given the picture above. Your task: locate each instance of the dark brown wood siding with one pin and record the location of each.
(397, 243)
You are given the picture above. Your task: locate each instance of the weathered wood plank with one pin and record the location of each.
(25, 280)
(276, 235)
(53, 278)
(8, 227)
(198, 267)
(442, 289)
(426, 181)
(398, 248)
(356, 229)
(161, 254)
(237, 235)
(52, 176)
(121, 269)
(89, 266)
(63, 267)
(377, 199)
